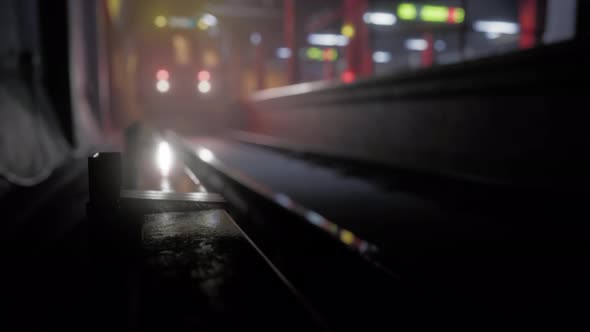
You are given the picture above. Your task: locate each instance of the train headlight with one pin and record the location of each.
(204, 87)
(163, 86)
(204, 81)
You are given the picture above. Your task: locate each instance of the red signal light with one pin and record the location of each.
(204, 75)
(348, 76)
(162, 75)
(453, 13)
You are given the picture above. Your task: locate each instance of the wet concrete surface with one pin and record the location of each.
(195, 272)
(200, 272)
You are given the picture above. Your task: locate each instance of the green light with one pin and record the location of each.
(314, 53)
(407, 11)
(459, 15)
(434, 13)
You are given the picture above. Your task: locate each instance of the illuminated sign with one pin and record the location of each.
(330, 54)
(407, 11)
(430, 13)
(318, 54)
(379, 18)
(180, 22)
(313, 53)
(327, 39)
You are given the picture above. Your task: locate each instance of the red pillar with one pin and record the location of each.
(527, 17)
(364, 39)
(428, 53)
(290, 40)
(328, 70)
(358, 51)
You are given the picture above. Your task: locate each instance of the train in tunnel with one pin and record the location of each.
(178, 60)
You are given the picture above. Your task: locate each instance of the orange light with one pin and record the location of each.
(456, 15)
(348, 76)
(162, 75)
(204, 75)
(329, 54)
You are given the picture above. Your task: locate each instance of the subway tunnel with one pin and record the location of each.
(293, 165)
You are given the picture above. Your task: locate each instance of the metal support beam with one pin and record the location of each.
(291, 40)
(532, 17)
(358, 52)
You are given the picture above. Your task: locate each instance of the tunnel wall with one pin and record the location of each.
(46, 115)
(505, 119)
(32, 138)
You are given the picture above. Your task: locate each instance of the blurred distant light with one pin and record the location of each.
(327, 39)
(255, 38)
(202, 25)
(206, 155)
(284, 200)
(204, 86)
(430, 13)
(283, 53)
(348, 76)
(379, 18)
(456, 15)
(416, 44)
(160, 21)
(181, 22)
(162, 75)
(315, 218)
(440, 45)
(209, 19)
(204, 75)
(332, 228)
(314, 53)
(163, 86)
(318, 54)
(330, 54)
(363, 246)
(496, 27)
(381, 57)
(493, 35)
(164, 158)
(347, 237)
(206, 21)
(182, 50)
(407, 11)
(347, 30)
(114, 9)
(210, 58)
